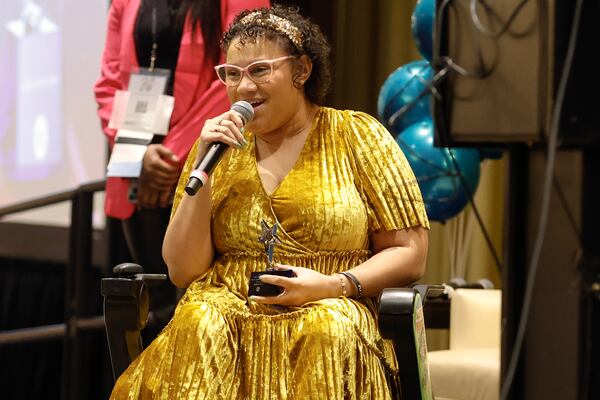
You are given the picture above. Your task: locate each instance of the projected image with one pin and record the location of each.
(50, 139)
(32, 144)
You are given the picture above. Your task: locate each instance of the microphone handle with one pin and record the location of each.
(200, 174)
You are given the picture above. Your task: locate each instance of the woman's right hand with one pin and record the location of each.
(226, 128)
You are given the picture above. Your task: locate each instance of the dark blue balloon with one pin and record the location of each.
(443, 192)
(406, 88)
(423, 18)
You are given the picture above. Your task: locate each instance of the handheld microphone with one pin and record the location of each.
(202, 170)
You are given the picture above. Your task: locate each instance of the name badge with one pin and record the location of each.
(138, 114)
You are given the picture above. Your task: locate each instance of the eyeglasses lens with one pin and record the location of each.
(260, 72)
(228, 74)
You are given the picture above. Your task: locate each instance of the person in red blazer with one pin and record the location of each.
(187, 33)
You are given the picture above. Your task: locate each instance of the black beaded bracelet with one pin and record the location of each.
(356, 283)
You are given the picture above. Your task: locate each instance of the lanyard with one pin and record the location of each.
(154, 35)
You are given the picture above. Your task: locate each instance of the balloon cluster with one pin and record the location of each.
(448, 177)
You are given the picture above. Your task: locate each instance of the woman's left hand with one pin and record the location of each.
(149, 198)
(308, 285)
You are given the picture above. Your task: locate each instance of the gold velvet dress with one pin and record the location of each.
(350, 179)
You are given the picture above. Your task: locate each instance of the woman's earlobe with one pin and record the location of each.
(299, 79)
(303, 72)
(298, 83)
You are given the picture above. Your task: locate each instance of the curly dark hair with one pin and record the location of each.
(314, 44)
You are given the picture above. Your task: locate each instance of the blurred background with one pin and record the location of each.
(51, 143)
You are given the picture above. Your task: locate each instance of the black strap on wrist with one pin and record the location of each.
(356, 282)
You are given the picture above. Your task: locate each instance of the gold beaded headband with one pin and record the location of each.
(276, 23)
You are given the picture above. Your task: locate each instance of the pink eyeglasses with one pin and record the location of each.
(258, 71)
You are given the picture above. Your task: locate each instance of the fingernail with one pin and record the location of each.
(243, 130)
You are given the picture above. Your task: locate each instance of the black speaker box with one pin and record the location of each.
(503, 87)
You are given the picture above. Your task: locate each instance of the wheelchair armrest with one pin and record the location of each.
(401, 320)
(126, 304)
(436, 306)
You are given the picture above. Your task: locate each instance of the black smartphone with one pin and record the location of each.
(133, 191)
(259, 288)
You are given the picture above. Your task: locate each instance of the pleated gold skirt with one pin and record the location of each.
(220, 346)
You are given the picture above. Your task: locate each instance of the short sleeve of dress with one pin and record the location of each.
(383, 176)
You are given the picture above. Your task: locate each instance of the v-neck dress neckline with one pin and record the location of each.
(301, 156)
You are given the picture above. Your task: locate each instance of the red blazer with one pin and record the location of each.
(197, 91)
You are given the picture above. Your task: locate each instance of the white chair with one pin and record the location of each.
(470, 369)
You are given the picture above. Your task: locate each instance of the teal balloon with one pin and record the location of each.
(422, 21)
(443, 192)
(406, 87)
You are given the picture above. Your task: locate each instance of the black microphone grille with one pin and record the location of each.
(245, 110)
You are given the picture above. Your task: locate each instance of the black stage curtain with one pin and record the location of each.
(32, 294)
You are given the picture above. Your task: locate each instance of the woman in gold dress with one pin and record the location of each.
(350, 219)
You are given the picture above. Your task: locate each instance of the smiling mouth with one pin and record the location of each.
(256, 103)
